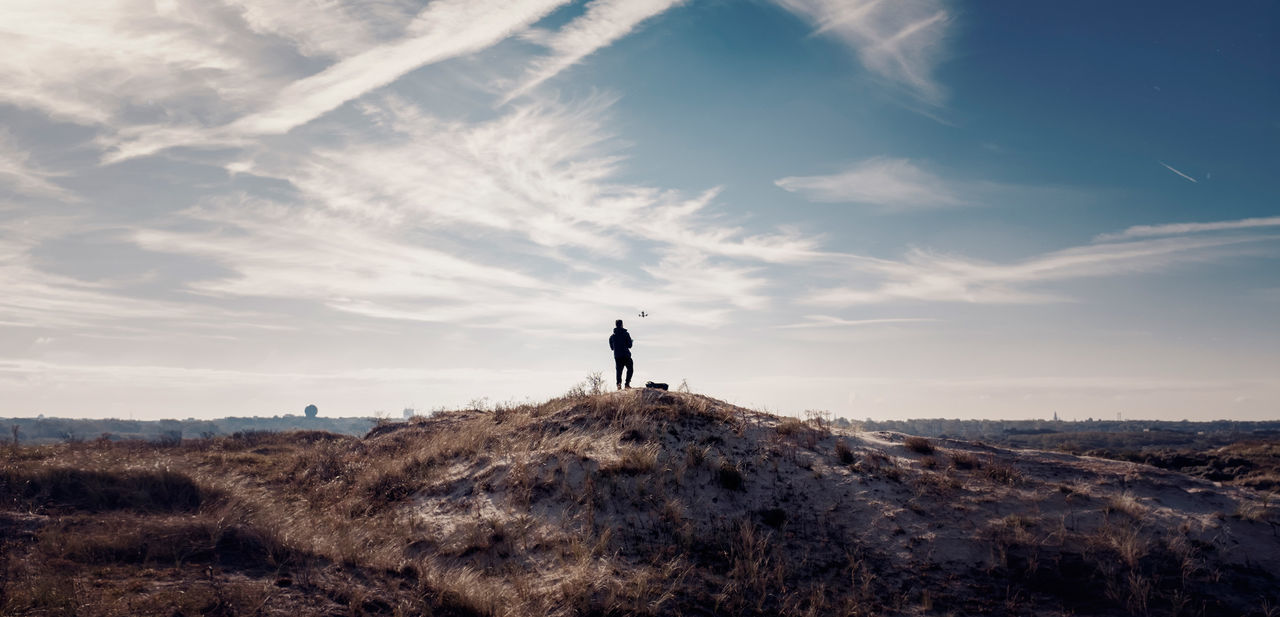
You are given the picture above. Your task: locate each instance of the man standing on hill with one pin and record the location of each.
(620, 343)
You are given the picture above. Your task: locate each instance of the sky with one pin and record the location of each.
(879, 209)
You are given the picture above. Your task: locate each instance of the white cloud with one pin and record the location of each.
(445, 29)
(20, 176)
(604, 22)
(900, 40)
(893, 184)
(530, 225)
(828, 321)
(35, 298)
(329, 28)
(123, 63)
(35, 372)
(296, 252)
(183, 72)
(1175, 229)
(932, 277)
(690, 275)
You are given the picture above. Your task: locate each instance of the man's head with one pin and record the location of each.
(618, 323)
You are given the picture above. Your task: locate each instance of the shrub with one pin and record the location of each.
(773, 517)
(791, 426)
(730, 476)
(844, 452)
(591, 385)
(963, 460)
(637, 459)
(1002, 473)
(94, 491)
(1128, 504)
(919, 445)
(243, 440)
(695, 454)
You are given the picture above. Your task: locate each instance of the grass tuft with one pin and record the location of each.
(844, 453)
(730, 476)
(919, 445)
(65, 488)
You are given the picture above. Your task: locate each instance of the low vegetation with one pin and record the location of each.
(631, 503)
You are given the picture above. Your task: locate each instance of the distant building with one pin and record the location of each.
(409, 412)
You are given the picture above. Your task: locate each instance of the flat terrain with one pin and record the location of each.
(632, 503)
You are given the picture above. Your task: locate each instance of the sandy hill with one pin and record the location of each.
(639, 502)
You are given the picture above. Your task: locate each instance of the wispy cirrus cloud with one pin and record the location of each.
(1174, 229)
(899, 40)
(296, 252)
(736, 284)
(932, 277)
(329, 28)
(604, 22)
(181, 378)
(542, 172)
(534, 186)
(445, 29)
(893, 184)
(36, 298)
(124, 63)
(828, 321)
(19, 175)
(157, 76)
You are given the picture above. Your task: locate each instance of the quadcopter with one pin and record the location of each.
(643, 314)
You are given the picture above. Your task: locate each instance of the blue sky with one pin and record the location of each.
(915, 208)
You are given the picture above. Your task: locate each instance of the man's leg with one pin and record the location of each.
(630, 367)
(618, 363)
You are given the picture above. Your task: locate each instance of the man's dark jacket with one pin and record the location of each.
(620, 343)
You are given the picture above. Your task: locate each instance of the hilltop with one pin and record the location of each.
(639, 502)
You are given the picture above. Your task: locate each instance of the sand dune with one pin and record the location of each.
(639, 502)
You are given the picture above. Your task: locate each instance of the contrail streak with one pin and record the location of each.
(1166, 166)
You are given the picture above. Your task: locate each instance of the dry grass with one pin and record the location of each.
(919, 445)
(844, 453)
(730, 476)
(630, 503)
(635, 460)
(1127, 504)
(96, 491)
(1266, 510)
(791, 426)
(1001, 472)
(964, 460)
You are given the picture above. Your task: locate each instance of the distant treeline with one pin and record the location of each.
(52, 430)
(1040, 434)
(1086, 435)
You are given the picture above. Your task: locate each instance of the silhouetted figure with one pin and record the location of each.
(620, 343)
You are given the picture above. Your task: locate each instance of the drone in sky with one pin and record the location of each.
(643, 314)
